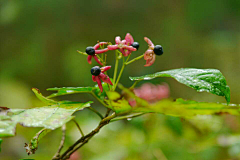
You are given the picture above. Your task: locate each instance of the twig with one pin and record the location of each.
(95, 111)
(104, 104)
(134, 84)
(57, 155)
(83, 140)
(133, 60)
(79, 128)
(107, 113)
(101, 60)
(83, 53)
(127, 116)
(120, 74)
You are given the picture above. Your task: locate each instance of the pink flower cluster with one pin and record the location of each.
(151, 93)
(126, 47)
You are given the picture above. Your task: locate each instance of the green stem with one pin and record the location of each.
(126, 117)
(79, 128)
(134, 84)
(95, 111)
(82, 53)
(105, 105)
(135, 59)
(120, 74)
(83, 140)
(116, 69)
(128, 57)
(107, 113)
(57, 155)
(101, 60)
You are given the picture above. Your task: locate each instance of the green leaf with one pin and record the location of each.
(49, 117)
(33, 145)
(69, 90)
(119, 106)
(42, 98)
(117, 103)
(7, 126)
(209, 80)
(182, 108)
(113, 95)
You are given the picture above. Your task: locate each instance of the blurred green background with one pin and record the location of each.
(38, 43)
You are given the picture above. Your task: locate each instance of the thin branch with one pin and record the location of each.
(79, 128)
(107, 113)
(105, 105)
(127, 116)
(101, 60)
(57, 155)
(133, 60)
(134, 84)
(83, 140)
(83, 53)
(120, 74)
(95, 111)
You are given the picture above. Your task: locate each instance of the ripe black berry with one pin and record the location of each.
(90, 50)
(135, 45)
(158, 50)
(95, 71)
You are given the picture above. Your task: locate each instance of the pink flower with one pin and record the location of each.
(97, 76)
(150, 54)
(126, 46)
(151, 93)
(92, 51)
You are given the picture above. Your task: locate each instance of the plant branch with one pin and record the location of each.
(93, 94)
(107, 113)
(134, 84)
(82, 53)
(79, 128)
(135, 59)
(57, 155)
(127, 116)
(83, 140)
(120, 74)
(95, 111)
(101, 60)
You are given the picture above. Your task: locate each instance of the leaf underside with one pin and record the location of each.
(187, 109)
(209, 80)
(52, 116)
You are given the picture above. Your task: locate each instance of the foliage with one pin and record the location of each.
(120, 105)
(209, 80)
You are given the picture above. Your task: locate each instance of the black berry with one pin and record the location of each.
(158, 50)
(135, 45)
(95, 71)
(90, 50)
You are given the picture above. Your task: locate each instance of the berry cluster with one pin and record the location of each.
(126, 47)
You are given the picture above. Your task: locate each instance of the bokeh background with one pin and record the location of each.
(38, 43)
